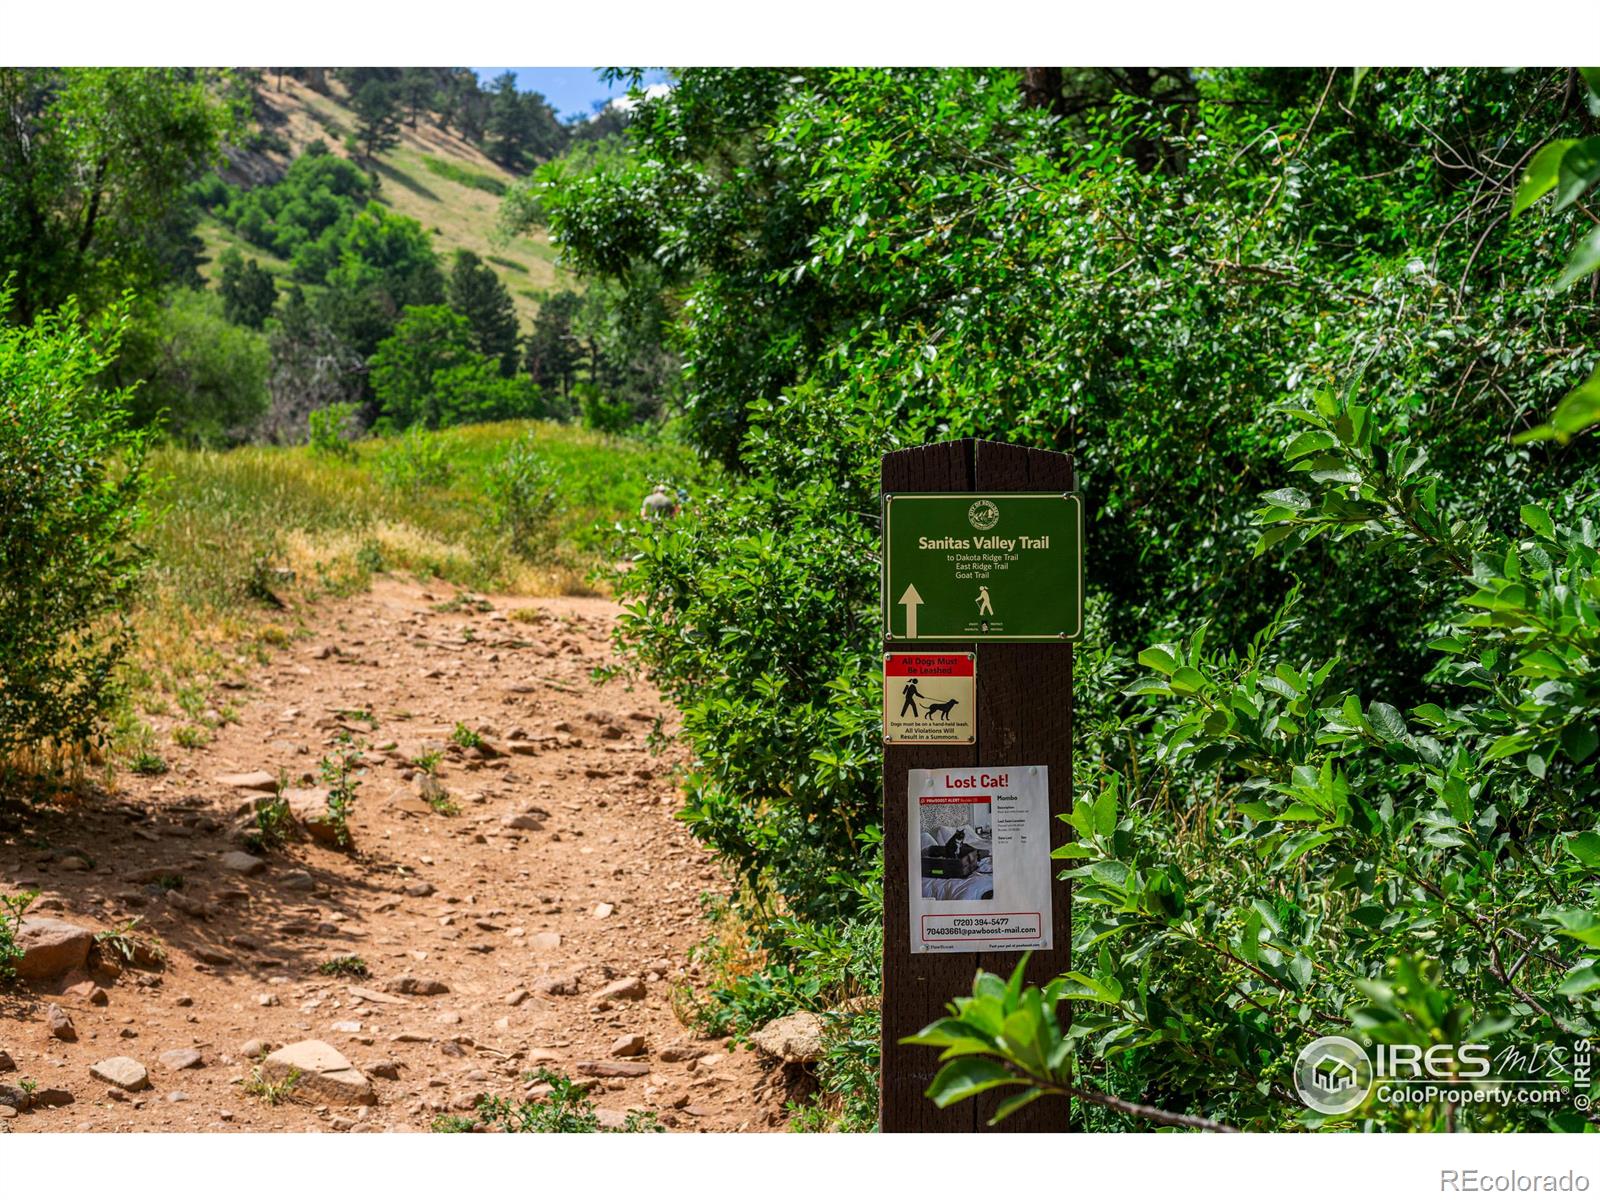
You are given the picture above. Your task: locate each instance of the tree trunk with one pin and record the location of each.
(1041, 88)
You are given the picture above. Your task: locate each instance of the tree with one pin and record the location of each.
(201, 377)
(522, 126)
(94, 167)
(313, 368)
(553, 352)
(427, 373)
(1288, 791)
(418, 86)
(385, 264)
(427, 340)
(249, 293)
(475, 291)
(377, 111)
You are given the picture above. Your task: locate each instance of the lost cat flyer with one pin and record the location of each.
(982, 838)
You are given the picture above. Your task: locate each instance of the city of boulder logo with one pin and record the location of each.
(1333, 1075)
(983, 514)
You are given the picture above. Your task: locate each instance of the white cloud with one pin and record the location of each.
(652, 91)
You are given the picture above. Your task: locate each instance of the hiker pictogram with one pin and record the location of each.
(985, 609)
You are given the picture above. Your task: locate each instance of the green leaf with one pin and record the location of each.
(1291, 498)
(1308, 442)
(1583, 261)
(1585, 847)
(1580, 981)
(964, 1078)
(1431, 713)
(1011, 1103)
(1538, 520)
(1541, 174)
(1158, 658)
(1105, 813)
(1579, 741)
(1580, 168)
(1505, 747)
(1300, 969)
(1576, 923)
(1186, 681)
(1387, 721)
(1579, 408)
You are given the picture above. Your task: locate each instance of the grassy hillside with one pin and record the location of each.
(433, 176)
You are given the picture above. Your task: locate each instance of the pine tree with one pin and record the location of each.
(475, 291)
(377, 116)
(249, 293)
(553, 352)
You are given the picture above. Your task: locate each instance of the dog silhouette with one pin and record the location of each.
(942, 709)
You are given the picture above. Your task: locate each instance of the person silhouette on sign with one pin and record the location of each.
(912, 696)
(985, 609)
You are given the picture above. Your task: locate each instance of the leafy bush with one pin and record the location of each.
(567, 1109)
(340, 772)
(456, 173)
(71, 487)
(11, 910)
(200, 377)
(331, 430)
(1135, 268)
(427, 373)
(524, 500)
(1413, 877)
(302, 217)
(249, 294)
(414, 463)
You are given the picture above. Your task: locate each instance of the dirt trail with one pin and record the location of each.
(563, 874)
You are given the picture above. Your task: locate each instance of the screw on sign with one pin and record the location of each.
(982, 565)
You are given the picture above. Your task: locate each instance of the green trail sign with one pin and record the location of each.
(982, 567)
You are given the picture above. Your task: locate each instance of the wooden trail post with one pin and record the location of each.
(1023, 716)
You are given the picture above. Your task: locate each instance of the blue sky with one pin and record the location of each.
(572, 91)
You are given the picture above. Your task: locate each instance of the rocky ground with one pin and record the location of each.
(528, 903)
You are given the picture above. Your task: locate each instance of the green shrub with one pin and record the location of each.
(347, 966)
(456, 173)
(340, 773)
(600, 413)
(201, 377)
(414, 463)
(71, 484)
(274, 821)
(524, 500)
(567, 1109)
(428, 373)
(1132, 282)
(11, 910)
(332, 429)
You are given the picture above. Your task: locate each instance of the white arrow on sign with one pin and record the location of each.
(911, 600)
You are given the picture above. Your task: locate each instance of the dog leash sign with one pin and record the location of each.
(930, 699)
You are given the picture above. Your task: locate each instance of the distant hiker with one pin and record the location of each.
(912, 696)
(985, 609)
(658, 505)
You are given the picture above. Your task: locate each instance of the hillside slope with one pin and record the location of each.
(433, 176)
